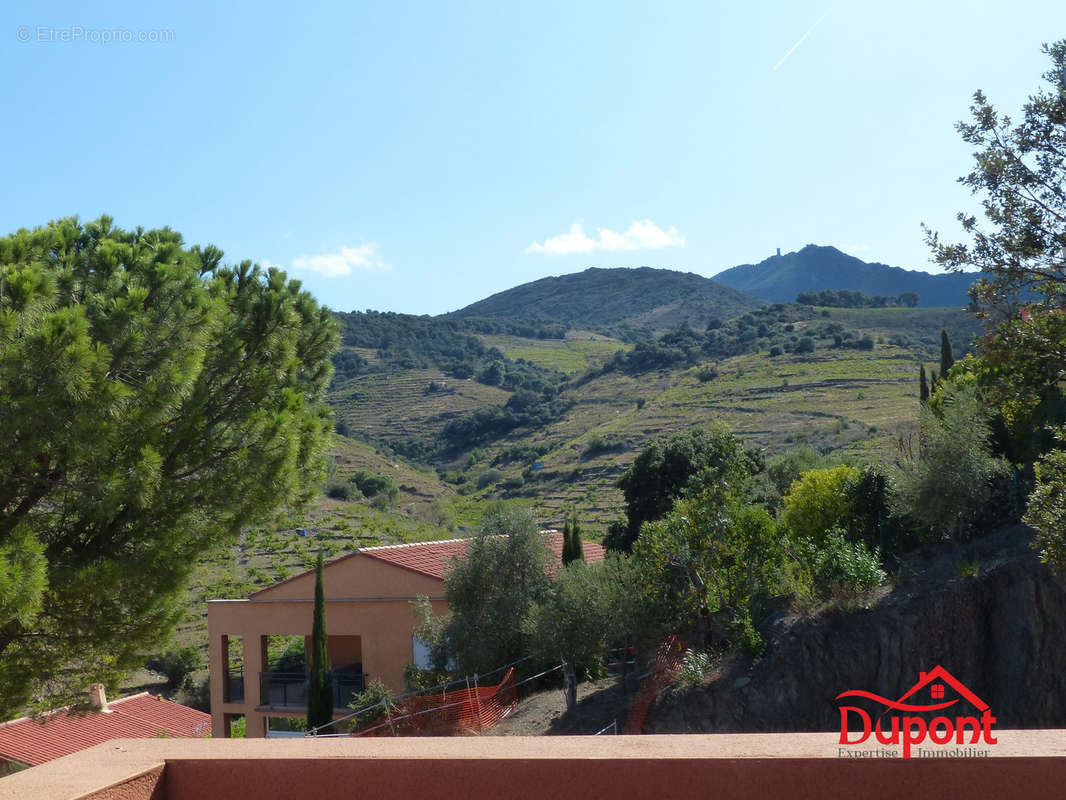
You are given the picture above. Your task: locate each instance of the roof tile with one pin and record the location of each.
(434, 558)
(140, 716)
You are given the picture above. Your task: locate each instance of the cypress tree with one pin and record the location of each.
(568, 552)
(577, 550)
(946, 356)
(320, 687)
(923, 385)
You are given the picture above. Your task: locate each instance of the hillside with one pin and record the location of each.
(1003, 625)
(836, 398)
(781, 278)
(615, 300)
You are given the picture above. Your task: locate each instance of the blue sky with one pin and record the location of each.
(419, 156)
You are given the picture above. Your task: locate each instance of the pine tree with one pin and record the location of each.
(577, 549)
(946, 356)
(923, 385)
(320, 688)
(154, 403)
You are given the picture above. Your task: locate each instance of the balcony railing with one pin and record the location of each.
(234, 688)
(289, 689)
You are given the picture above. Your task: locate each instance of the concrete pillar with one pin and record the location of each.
(255, 662)
(217, 666)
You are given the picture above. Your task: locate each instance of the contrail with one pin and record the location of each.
(792, 49)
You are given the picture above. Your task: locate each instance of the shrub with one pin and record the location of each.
(844, 568)
(371, 484)
(598, 443)
(488, 477)
(775, 351)
(339, 491)
(820, 500)
(178, 664)
(375, 702)
(944, 486)
(707, 374)
(1047, 509)
(695, 666)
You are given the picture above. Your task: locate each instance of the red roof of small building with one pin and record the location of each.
(435, 558)
(139, 716)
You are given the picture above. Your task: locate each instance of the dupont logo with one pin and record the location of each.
(896, 725)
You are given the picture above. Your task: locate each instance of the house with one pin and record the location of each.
(29, 741)
(369, 620)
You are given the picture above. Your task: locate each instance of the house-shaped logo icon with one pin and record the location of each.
(913, 730)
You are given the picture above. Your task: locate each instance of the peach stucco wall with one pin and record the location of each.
(365, 598)
(1024, 765)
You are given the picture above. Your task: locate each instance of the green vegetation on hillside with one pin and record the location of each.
(842, 298)
(625, 303)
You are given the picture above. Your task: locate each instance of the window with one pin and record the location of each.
(938, 691)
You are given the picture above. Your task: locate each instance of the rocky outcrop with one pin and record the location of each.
(1002, 631)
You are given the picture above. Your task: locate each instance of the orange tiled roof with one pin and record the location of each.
(140, 716)
(434, 558)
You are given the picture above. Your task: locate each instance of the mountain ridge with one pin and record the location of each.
(781, 278)
(601, 298)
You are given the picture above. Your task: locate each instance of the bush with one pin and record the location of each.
(1047, 509)
(707, 374)
(197, 695)
(371, 484)
(488, 477)
(598, 443)
(818, 501)
(339, 491)
(695, 666)
(178, 664)
(775, 351)
(943, 487)
(377, 701)
(416, 679)
(843, 568)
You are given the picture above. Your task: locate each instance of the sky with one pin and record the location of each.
(417, 157)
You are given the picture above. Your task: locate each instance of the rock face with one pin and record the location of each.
(1002, 632)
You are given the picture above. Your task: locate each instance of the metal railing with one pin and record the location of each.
(289, 689)
(234, 686)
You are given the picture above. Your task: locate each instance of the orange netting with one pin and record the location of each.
(468, 710)
(663, 671)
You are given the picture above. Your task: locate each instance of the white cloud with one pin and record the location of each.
(642, 234)
(342, 262)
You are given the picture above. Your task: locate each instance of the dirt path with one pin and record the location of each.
(544, 713)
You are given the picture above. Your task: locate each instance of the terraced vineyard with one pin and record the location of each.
(572, 355)
(408, 404)
(837, 399)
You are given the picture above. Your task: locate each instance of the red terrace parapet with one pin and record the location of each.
(1025, 764)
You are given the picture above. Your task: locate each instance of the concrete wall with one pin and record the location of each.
(1024, 764)
(366, 598)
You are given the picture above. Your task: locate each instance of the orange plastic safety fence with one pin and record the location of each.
(663, 671)
(470, 710)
